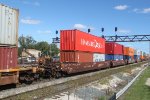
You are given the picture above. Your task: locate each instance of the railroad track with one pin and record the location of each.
(53, 86)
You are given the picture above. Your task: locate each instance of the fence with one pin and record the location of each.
(117, 95)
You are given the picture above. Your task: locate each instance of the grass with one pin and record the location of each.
(139, 91)
(105, 80)
(102, 98)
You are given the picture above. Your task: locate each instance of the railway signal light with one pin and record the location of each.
(56, 32)
(116, 29)
(89, 30)
(57, 38)
(102, 29)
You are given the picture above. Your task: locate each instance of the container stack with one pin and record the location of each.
(147, 57)
(137, 55)
(8, 40)
(114, 51)
(144, 55)
(141, 55)
(78, 46)
(129, 54)
(8, 37)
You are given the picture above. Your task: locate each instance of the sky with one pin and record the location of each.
(41, 18)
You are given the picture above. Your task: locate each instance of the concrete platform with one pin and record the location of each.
(147, 82)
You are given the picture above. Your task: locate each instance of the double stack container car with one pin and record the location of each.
(129, 55)
(137, 55)
(144, 55)
(8, 45)
(114, 52)
(81, 51)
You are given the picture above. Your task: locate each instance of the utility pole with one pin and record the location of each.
(116, 29)
(22, 61)
(102, 30)
(149, 53)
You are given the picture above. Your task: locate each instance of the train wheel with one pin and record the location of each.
(47, 74)
(111, 64)
(58, 75)
(36, 77)
(28, 79)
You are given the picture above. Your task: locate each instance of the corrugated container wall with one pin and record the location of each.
(126, 57)
(114, 48)
(137, 57)
(8, 26)
(98, 57)
(114, 57)
(136, 52)
(141, 53)
(76, 56)
(8, 57)
(144, 53)
(128, 51)
(75, 40)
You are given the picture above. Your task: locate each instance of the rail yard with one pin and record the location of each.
(54, 87)
(84, 58)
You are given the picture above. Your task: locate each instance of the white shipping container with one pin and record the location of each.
(98, 57)
(141, 53)
(8, 25)
(136, 52)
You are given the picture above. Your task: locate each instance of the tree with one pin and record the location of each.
(47, 49)
(43, 46)
(25, 43)
(19, 52)
(29, 43)
(54, 50)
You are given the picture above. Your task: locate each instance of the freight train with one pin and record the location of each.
(79, 52)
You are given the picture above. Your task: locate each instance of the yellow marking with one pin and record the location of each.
(25, 68)
(9, 70)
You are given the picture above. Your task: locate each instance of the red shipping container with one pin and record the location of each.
(8, 57)
(114, 48)
(76, 56)
(75, 40)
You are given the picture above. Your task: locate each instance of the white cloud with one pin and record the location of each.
(31, 3)
(44, 32)
(123, 31)
(146, 10)
(121, 7)
(30, 21)
(83, 27)
(80, 26)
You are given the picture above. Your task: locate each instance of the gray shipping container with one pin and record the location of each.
(136, 52)
(8, 26)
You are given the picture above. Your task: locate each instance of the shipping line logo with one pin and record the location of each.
(93, 43)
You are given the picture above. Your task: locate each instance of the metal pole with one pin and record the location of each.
(50, 50)
(149, 48)
(149, 53)
(22, 50)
